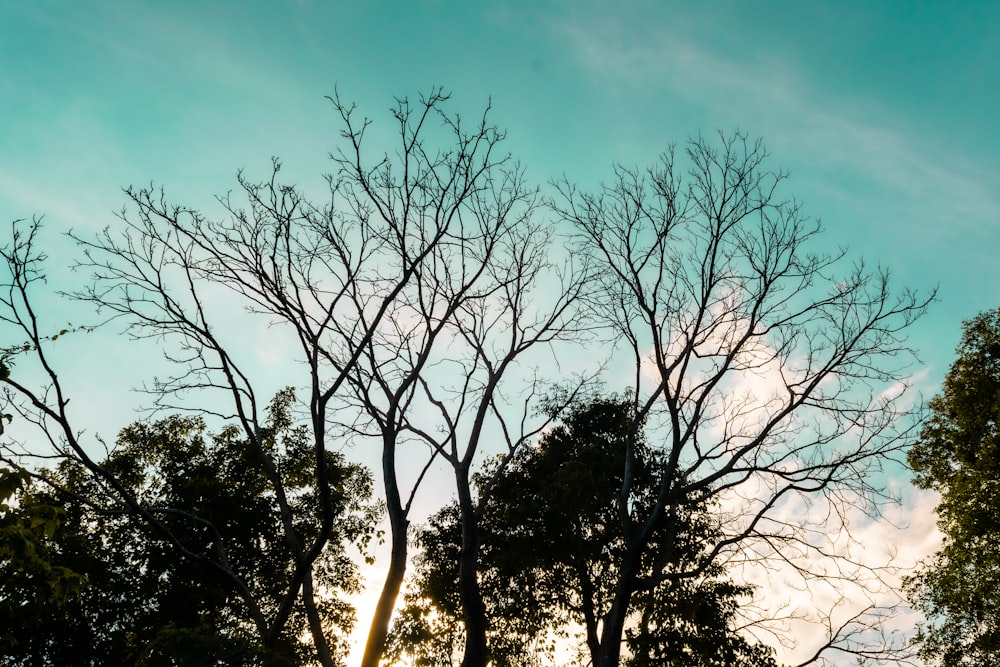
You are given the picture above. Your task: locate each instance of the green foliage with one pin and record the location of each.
(958, 455)
(552, 546)
(7, 354)
(31, 581)
(688, 623)
(146, 605)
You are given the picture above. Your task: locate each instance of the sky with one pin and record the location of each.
(883, 113)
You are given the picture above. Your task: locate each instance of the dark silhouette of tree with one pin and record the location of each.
(452, 370)
(424, 264)
(764, 372)
(33, 583)
(958, 455)
(142, 605)
(552, 546)
(427, 300)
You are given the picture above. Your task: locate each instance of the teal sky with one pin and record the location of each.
(885, 113)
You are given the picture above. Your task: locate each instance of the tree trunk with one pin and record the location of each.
(589, 616)
(473, 609)
(398, 528)
(386, 605)
(316, 623)
(614, 621)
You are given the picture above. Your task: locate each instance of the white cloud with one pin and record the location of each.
(831, 559)
(797, 600)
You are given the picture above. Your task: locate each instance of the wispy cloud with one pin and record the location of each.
(860, 140)
(801, 597)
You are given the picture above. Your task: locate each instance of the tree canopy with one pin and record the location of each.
(33, 584)
(551, 548)
(958, 455)
(430, 299)
(144, 604)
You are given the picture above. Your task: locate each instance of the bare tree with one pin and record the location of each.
(498, 334)
(765, 372)
(370, 284)
(133, 281)
(485, 390)
(437, 357)
(452, 373)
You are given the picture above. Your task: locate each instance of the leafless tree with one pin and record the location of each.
(767, 371)
(137, 278)
(469, 380)
(414, 254)
(454, 372)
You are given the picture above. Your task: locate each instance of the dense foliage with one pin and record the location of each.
(552, 543)
(145, 604)
(958, 455)
(32, 585)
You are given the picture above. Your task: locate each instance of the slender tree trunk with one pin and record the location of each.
(614, 621)
(316, 623)
(386, 605)
(398, 528)
(473, 609)
(589, 615)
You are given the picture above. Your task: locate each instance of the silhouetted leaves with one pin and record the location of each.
(552, 545)
(958, 455)
(145, 604)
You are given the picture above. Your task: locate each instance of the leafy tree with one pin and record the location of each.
(551, 548)
(146, 606)
(765, 371)
(958, 455)
(32, 582)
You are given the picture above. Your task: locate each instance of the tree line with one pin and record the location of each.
(628, 386)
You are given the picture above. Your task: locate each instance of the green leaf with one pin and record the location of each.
(958, 455)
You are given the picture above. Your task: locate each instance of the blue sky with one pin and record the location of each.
(884, 113)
